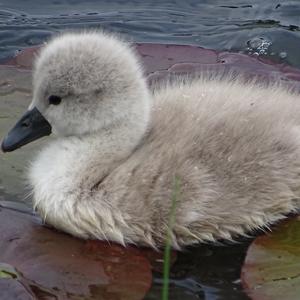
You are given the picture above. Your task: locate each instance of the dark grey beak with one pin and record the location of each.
(30, 127)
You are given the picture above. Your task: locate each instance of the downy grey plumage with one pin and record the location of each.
(109, 174)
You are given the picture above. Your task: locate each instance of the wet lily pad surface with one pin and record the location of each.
(53, 265)
(15, 95)
(36, 261)
(272, 265)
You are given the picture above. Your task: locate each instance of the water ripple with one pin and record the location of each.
(209, 24)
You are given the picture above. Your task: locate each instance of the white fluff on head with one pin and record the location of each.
(109, 173)
(94, 81)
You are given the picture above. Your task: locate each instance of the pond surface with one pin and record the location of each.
(266, 27)
(260, 28)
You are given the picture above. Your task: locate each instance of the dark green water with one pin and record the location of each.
(266, 28)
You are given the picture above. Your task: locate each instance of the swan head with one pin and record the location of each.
(82, 83)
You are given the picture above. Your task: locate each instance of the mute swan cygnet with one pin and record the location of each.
(109, 174)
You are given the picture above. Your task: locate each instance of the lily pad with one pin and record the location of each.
(15, 95)
(55, 265)
(272, 266)
(13, 289)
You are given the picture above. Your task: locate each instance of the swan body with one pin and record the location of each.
(109, 174)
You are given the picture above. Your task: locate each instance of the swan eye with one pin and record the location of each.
(55, 100)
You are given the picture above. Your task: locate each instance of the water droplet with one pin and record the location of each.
(283, 54)
(258, 46)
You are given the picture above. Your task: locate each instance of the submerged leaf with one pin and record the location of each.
(5, 274)
(272, 265)
(7, 271)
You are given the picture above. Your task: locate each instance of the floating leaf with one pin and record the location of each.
(272, 266)
(56, 264)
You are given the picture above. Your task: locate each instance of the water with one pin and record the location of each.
(205, 272)
(222, 25)
(260, 28)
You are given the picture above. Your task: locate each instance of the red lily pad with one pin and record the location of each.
(12, 289)
(47, 264)
(271, 269)
(162, 60)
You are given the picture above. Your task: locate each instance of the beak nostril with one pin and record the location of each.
(25, 123)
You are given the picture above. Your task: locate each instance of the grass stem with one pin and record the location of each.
(167, 251)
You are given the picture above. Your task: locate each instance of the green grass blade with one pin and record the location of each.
(167, 251)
